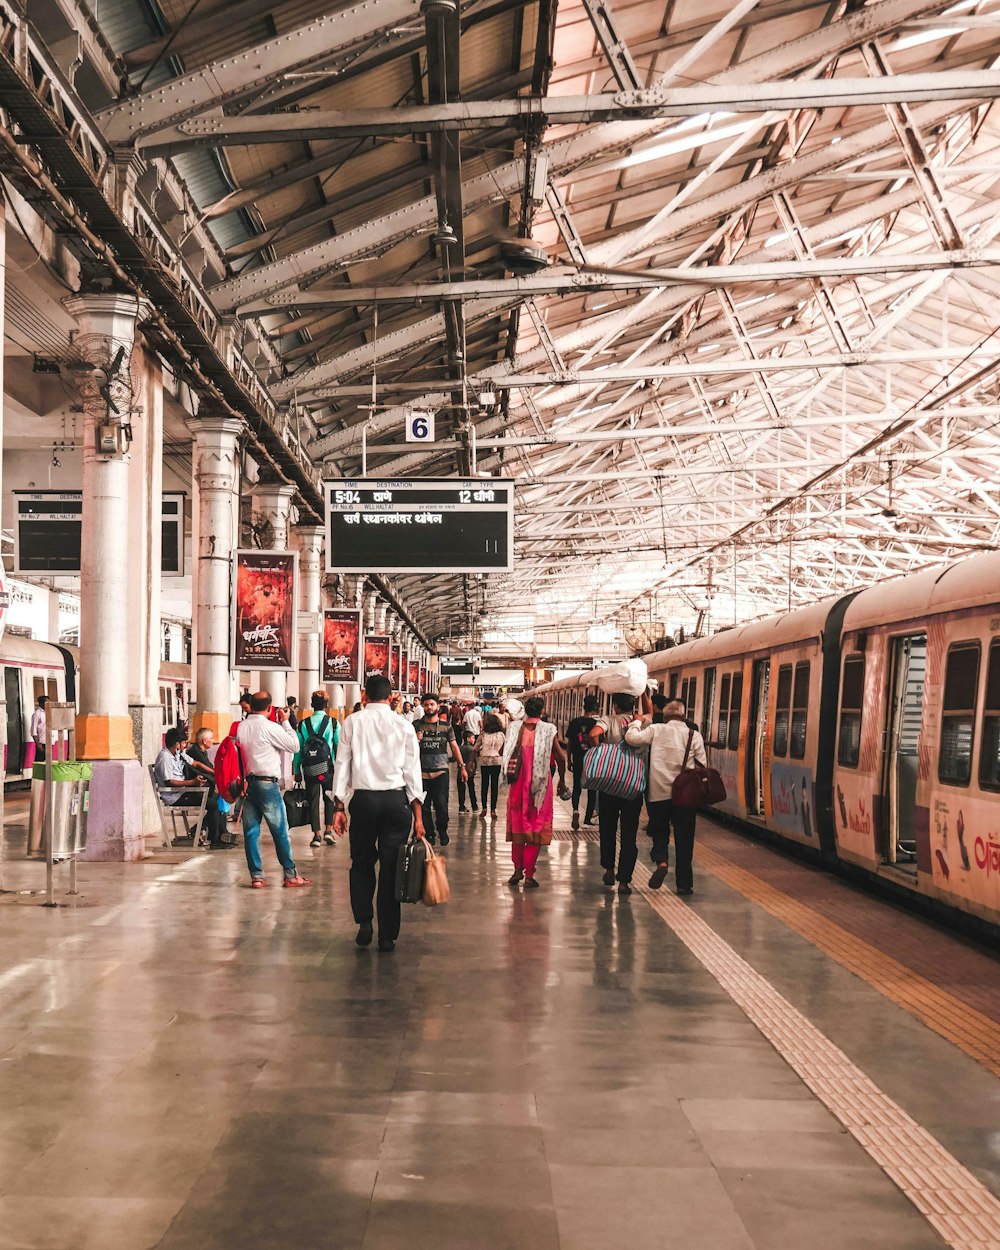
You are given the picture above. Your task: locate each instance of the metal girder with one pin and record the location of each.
(564, 221)
(379, 235)
(727, 368)
(566, 155)
(650, 102)
(238, 76)
(390, 345)
(577, 282)
(615, 49)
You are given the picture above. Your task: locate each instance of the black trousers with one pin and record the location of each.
(213, 822)
(380, 825)
(662, 817)
(489, 783)
(612, 813)
(469, 785)
(436, 805)
(316, 794)
(578, 789)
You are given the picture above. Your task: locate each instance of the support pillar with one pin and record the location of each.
(144, 559)
(310, 541)
(107, 608)
(216, 529)
(272, 502)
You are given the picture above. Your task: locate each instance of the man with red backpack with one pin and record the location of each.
(261, 743)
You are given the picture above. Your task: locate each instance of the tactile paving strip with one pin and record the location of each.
(957, 1022)
(951, 1199)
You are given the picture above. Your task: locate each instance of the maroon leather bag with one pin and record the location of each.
(698, 786)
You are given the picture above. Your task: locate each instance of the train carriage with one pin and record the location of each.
(865, 727)
(917, 754)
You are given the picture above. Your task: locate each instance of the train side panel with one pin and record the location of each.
(917, 787)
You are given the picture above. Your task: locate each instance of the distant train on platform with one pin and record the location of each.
(32, 668)
(866, 727)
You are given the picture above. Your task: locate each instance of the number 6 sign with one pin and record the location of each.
(420, 427)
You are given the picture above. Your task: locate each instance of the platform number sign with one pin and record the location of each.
(420, 427)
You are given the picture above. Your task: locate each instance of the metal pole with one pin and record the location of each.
(50, 816)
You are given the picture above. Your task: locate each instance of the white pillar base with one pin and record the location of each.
(114, 816)
(147, 737)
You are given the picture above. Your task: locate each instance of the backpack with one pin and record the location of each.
(230, 770)
(316, 756)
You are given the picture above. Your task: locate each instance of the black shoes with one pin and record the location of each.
(385, 945)
(575, 823)
(688, 889)
(516, 878)
(609, 876)
(316, 840)
(530, 883)
(365, 934)
(445, 839)
(658, 876)
(462, 811)
(624, 888)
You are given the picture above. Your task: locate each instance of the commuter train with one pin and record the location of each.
(32, 668)
(866, 727)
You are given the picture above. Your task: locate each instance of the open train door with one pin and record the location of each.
(756, 736)
(908, 664)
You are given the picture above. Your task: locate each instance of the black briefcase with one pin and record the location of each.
(296, 807)
(410, 868)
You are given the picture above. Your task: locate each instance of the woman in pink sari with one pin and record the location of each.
(529, 803)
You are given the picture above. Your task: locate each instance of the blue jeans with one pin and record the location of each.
(264, 802)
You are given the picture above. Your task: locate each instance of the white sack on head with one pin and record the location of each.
(629, 677)
(514, 708)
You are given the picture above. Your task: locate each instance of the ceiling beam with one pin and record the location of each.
(251, 69)
(587, 280)
(728, 367)
(641, 105)
(584, 148)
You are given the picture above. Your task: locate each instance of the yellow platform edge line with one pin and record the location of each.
(973, 1033)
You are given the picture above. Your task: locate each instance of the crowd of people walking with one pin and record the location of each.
(388, 768)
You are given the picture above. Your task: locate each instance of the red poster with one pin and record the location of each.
(376, 655)
(423, 679)
(414, 685)
(397, 661)
(342, 645)
(264, 610)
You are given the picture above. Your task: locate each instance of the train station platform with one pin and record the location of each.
(776, 1061)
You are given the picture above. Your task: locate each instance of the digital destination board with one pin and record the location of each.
(419, 525)
(48, 529)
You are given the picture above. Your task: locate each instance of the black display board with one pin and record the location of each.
(419, 525)
(48, 525)
(458, 666)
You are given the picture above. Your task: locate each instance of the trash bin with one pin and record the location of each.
(70, 798)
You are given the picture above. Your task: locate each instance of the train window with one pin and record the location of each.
(724, 686)
(673, 684)
(989, 756)
(958, 714)
(735, 710)
(800, 711)
(782, 710)
(708, 705)
(852, 692)
(37, 688)
(52, 690)
(692, 695)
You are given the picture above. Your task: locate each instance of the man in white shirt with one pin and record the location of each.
(37, 727)
(378, 759)
(264, 743)
(669, 743)
(473, 720)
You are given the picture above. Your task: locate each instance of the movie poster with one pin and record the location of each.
(422, 678)
(396, 659)
(264, 610)
(376, 655)
(415, 677)
(342, 645)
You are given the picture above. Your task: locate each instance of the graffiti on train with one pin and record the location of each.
(793, 799)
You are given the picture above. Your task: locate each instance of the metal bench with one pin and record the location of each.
(191, 817)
